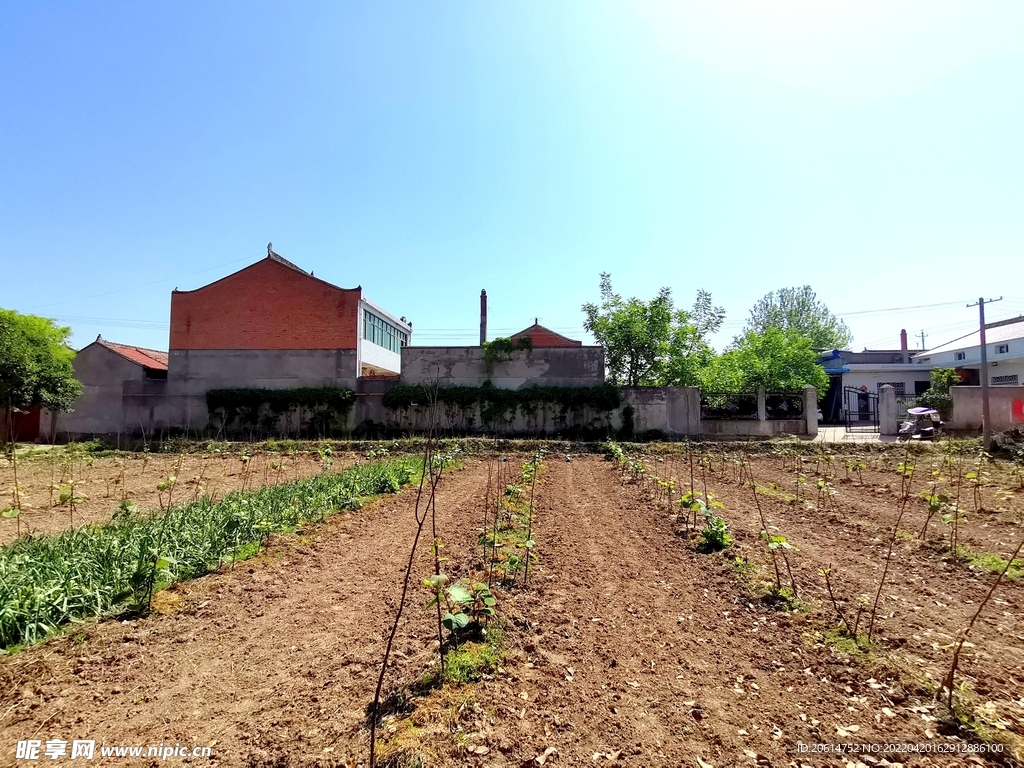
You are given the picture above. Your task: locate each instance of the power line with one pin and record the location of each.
(897, 309)
(146, 285)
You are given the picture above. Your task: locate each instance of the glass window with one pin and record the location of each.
(382, 333)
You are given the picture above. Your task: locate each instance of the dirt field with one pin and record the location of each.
(101, 483)
(629, 648)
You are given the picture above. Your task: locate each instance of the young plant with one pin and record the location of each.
(947, 684)
(779, 544)
(327, 457)
(715, 537)
(69, 498)
(906, 479)
(432, 471)
(165, 486)
(827, 573)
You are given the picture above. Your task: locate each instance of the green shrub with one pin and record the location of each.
(325, 409)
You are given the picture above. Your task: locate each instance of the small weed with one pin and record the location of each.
(847, 644)
(744, 568)
(715, 537)
(471, 660)
(989, 561)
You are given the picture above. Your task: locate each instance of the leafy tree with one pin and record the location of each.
(652, 342)
(798, 309)
(775, 359)
(35, 363)
(938, 395)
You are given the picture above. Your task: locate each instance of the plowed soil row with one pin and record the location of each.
(629, 647)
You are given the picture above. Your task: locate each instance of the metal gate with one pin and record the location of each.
(861, 410)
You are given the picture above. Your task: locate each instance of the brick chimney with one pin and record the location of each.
(903, 345)
(483, 317)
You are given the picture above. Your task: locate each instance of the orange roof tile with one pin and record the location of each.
(147, 358)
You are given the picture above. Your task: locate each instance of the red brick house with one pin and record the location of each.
(275, 305)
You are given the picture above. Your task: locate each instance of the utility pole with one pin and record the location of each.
(923, 334)
(986, 423)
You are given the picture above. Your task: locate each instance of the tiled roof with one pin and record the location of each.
(147, 358)
(282, 260)
(1006, 330)
(540, 330)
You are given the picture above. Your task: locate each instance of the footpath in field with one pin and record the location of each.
(272, 663)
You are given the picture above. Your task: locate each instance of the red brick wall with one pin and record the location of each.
(265, 306)
(542, 337)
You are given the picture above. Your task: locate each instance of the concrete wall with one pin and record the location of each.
(191, 373)
(465, 366)
(1006, 407)
(119, 399)
(99, 410)
(673, 411)
(546, 421)
(871, 378)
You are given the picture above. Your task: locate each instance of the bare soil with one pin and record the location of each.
(100, 483)
(630, 647)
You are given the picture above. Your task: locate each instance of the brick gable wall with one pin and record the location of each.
(542, 337)
(265, 306)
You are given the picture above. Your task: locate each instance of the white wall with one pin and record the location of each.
(871, 377)
(367, 352)
(371, 354)
(972, 355)
(1006, 368)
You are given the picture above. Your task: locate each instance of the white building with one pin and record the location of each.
(855, 378)
(1005, 344)
(381, 337)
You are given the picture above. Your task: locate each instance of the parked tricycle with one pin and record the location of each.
(921, 424)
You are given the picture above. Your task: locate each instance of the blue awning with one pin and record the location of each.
(844, 369)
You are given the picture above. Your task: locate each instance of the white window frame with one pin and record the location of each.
(1002, 349)
(960, 356)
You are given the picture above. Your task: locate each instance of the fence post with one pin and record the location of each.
(762, 408)
(888, 421)
(811, 410)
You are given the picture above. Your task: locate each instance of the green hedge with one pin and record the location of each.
(504, 403)
(251, 409)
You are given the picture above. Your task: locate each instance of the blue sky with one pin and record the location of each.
(428, 150)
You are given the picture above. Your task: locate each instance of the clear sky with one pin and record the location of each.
(427, 150)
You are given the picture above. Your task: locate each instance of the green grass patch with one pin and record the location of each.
(470, 661)
(776, 493)
(991, 562)
(80, 574)
(846, 644)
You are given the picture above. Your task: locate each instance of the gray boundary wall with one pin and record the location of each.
(467, 366)
(1005, 404)
(120, 400)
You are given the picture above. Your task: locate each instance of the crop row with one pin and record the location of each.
(85, 572)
